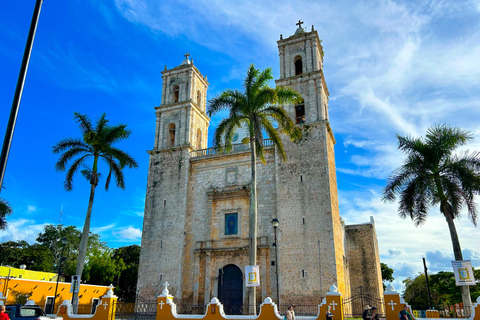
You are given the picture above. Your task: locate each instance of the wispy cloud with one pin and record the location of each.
(103, 229)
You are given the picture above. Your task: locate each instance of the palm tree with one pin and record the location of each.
(257, 108)
(96, 143)
(5, 210)
(433, 175)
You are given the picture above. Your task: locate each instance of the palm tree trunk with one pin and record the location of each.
(457, 251)
(252, 229)
(82, 252)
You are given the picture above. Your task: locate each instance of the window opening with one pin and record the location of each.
(199, 139)
(95, 302)
(176, 91)
(298, 65)
(303, 273)
(171, 133)
(300, 113)
(231, 223)
(301, 178)
(164, 203)
(199, 98)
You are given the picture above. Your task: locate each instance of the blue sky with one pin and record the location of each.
(391, 67)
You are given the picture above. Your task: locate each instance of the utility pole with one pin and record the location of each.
(7, 141)
(428, 287)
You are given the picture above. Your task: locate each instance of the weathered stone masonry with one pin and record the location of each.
(191, 191)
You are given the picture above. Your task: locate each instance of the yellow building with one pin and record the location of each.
(40, 287)
(27, 274)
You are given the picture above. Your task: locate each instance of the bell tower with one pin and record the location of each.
(307, 185)
(301, 68)
(181, 117)
(181, 126)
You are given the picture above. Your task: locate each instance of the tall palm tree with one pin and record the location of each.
(96, 143)
(258, 109)
(433, 175)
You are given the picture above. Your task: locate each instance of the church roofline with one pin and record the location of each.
(302, 37)
(182, 68)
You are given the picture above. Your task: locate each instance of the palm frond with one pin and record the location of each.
(288, 96)
(274, 136)
(228, 99)
(83, 122)
(117, 172)
(68, 184)
(261, 81)
(121, 156)
(67, 144)
(62, 162)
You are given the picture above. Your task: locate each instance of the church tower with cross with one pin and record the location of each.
(195, 233)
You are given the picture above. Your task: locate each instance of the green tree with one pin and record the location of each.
(433, 175)
(127, 282)
(51, 238)
(416, 292)
(5, 210)
(258, 109)
(387, 274)
(34, 257)
(102, 267)
(96, 143)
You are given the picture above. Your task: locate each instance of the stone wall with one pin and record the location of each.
(363, 258)
(164, 221)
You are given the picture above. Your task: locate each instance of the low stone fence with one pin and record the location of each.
(104, 311)
(167, 309)
(394, 304)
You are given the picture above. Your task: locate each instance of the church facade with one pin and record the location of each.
(195, 232)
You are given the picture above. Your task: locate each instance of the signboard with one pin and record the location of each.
(252, 276)
(462, 269)
(75, 284)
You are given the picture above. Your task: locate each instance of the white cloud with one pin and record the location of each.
(402, 245)
(31, 208)
(130, 233)
(22, 229)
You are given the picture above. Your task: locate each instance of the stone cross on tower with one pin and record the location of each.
(187, 55)
(299, 24)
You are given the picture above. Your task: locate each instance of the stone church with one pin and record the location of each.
(195, 231)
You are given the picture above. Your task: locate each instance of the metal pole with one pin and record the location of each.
(276, 264)
(18, 91)
(58, 278)
(428, 287)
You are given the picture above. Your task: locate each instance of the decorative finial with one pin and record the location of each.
(299, 24)
(191, 60)
(110, 291)
(390, 288)
(165, 290)
(281, 36)
(313, 29)
(187, 55)
(165, 68)
(333, 288)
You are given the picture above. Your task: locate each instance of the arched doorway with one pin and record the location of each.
(230, 289)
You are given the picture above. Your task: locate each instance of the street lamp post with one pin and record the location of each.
(275, 224)
(64, 242)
